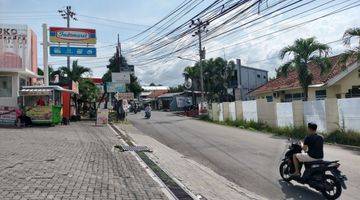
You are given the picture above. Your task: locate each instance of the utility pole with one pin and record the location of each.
(200, 28)
(68, 14)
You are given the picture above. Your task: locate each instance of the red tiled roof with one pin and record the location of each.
(291, 81)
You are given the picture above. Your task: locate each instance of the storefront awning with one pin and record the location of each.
(35, 92)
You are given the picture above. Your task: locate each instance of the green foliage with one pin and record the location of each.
(342, 137)
(134, 85)
(89, 92)
(73, 74)
(351, 52)
(303, 52)
(217, 74)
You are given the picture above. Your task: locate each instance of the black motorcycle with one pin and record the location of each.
(323, 176)
(147, 114)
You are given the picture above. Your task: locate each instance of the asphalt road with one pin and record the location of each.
(247, 158)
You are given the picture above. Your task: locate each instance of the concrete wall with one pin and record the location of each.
(314, 111)
(225, 108)
(332, 115)
(239, 110)
(349, 114)
(250, 111)
(215, 111)
(284, 114)
(298, 112)
(266, 112)
(232, 111)
(221, 112)
(11, 101)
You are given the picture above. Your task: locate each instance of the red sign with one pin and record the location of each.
(72, 35)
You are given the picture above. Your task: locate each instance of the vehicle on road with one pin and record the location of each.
(323, 176)
(147, 114)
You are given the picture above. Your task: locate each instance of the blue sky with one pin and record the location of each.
(139, 14)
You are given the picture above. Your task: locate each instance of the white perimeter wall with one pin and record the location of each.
(221, 113)
(250, 110)
(349, 113)
(284, 113)
(314, 111)
(232, 111)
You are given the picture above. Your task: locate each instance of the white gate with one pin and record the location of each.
(349, 113)
(314, 111)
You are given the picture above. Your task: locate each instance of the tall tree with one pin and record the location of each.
(74, 74)
(352, 51)
(88, 96)
(304, 51)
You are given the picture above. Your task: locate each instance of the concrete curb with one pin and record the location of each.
(163, 187)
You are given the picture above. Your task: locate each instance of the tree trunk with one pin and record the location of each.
(306, 90)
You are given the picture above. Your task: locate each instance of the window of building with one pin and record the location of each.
(258, 75)
(5, 86)
(269, 98)
(297, 96)
(320, 94)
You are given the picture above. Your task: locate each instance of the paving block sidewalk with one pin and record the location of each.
(197, 178)
(70, 162)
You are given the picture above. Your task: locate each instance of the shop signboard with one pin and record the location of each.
(102, 116)
(17, 48)
(121, 77)
(39, 113)
(72, 35)
(124, 95)
(73, 51)
(115, 87)
(7, 115)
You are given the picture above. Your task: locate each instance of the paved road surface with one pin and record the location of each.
(247, 158)
(70, 162)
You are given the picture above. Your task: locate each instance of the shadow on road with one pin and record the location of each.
(298, 192)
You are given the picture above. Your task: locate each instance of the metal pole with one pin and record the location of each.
(201, 68)
(68, 26)
(45, 55)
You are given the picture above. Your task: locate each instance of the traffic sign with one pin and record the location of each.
(73, 51)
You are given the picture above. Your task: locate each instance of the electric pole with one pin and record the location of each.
(200, 28)
(68, 14)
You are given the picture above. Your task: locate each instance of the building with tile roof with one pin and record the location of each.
(342, 81)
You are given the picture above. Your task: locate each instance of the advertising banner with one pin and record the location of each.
(7, 115)
(73, 51)
(126, 95)
(115, 87)
(102, 116)
(183, 102)
(39, 113)
(72, 35)
(121, 77)
(15, 47)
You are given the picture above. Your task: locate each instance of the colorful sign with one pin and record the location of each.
(73, 51)
(115, 87)
(102, 116)
(18, 48)
(121, 77)
(7, 115)
(39, 113)
(72, 35)
(126, 95)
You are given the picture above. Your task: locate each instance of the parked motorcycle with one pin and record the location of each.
(323, 176)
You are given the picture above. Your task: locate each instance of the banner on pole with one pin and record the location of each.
(115, 87)
(72, 35)
(121, 77)
(126, 95)
(73, 51)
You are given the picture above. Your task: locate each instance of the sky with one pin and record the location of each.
(129, 17)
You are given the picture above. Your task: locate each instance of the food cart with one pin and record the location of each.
(43, 104)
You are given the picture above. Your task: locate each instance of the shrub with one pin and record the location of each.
(342, 137)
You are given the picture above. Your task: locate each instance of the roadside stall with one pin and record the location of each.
(43, 104)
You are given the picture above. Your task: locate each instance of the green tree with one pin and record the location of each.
(217, 75)
(73, 74)
(351, 52)
(304, 51)
(51, 73)
(179, 88)
(88, 96)
(134, 85)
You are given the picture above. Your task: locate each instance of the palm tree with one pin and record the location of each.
(352, 52)
(304, 51)
(74, 74)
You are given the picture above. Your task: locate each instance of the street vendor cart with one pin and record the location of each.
(43, 104)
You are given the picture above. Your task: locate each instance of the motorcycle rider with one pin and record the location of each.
(147, 109)
(313, 147)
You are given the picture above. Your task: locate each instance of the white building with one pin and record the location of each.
(18, 61)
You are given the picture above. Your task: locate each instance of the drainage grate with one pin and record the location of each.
(133, 148)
